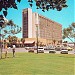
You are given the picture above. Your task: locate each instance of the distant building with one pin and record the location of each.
(49, 32)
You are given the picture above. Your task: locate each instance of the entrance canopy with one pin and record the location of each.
(29, 42)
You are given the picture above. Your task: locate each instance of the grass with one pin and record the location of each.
(37, 64)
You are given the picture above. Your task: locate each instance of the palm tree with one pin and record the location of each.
(23, 40)
(54, 41)
(14, 39)
(9, 38)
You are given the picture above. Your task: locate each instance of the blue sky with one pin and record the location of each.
(64, 17)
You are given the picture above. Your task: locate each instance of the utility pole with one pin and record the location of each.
(37, 24)
(37, 36)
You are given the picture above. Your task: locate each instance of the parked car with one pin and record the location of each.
(58, 48)
(64, 51)
(46, 48)
(27, 48)
(40, 50)
(52, 50)
(69, 48)
(31, 50)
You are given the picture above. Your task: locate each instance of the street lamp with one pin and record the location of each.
(37, 24)
(37, 36)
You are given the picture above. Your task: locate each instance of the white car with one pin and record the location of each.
(40, 50)
(64, 51)
(52, 51)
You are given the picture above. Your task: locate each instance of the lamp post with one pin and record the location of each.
(37, 24)
(37, 36)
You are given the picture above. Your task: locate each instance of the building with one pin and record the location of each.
(49, 32)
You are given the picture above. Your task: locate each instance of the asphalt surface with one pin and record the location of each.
(35, 51)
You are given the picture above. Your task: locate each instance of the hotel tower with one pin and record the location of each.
(49, 31)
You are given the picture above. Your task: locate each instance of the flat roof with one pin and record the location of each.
(29, 41)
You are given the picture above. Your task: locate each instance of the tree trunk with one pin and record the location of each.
(1, 50)
(74, 48)
(0, 45)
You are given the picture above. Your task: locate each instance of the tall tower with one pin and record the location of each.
(35, 25)
(27, 23)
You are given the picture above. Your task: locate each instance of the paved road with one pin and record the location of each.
(16, 49)
(24, 50)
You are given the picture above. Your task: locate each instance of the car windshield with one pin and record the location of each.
(40, 48)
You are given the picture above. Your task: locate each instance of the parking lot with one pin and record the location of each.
(35, 51)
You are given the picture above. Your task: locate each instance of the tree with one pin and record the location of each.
(7, 27)
(1, 26)
(9, 38)
(54, 41)
(22, 40)
(50, 4)
(41, 4)
(13, 29)
(70, 33)
(12, 39)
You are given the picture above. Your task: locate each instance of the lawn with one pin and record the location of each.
(37, 64)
